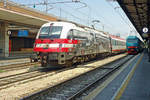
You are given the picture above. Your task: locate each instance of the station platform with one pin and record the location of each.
(11, 61)
(17, 55)
(16, 58)
(130, 82)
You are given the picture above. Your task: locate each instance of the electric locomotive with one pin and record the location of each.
(134, 45)
(65, 43)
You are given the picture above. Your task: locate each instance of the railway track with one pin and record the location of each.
(72, 88)
(10, 80)
(17, 66)
(98, 80)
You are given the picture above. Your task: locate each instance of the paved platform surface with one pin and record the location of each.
(131, 83)
(17, 56)
(139, 86)
(14, 61)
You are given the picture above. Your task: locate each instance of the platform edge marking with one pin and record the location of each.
(122, 88)
(100, 88)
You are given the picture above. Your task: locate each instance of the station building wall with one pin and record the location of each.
(18, 43)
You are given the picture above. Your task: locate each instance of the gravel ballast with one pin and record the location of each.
(17, 91)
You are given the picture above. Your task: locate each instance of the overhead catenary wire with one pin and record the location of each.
(86, 14)
(105, 21)
(132, 28)
(129, 25)
(68, 2)
(81, 13)
(81, 20)
(100, 15)
(59, 9)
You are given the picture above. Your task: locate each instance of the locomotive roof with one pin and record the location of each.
(75, 26)
(132, 37)
(59, 24)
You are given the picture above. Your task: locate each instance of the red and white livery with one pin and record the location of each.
(65, 43)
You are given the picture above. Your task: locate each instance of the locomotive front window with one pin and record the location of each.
(44, 31)
(132, 41)
(50, 32)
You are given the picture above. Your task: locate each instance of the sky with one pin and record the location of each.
(111, 17)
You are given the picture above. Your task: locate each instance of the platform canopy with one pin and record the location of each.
(14, 13)
(15, 18)
(138, 11)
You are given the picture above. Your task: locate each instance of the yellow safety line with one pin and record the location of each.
(100, 88)
(121, 91)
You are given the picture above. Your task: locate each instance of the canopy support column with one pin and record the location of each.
(4, 40)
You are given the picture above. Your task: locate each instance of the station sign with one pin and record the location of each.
(23, 33)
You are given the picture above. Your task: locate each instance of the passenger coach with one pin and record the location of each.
(118, 44)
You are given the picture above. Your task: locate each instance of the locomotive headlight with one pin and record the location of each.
(46, 46)
(54, 45)
(38, 45)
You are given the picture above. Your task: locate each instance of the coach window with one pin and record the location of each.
(113, 42)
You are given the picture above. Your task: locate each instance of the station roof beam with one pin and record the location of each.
(138, 11)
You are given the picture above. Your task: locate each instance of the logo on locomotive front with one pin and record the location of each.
(46, 46)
